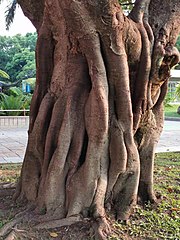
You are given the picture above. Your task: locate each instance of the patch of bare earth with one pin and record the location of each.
(25, 229)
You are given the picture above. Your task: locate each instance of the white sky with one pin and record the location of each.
(21, 24)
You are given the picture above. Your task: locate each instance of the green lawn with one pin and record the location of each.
(162, 221)
(171, 111)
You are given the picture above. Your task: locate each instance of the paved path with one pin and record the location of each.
(170, 137)
(13, 142)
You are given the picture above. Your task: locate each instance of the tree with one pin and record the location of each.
(22, 65)
(17, 56)
(97, 109)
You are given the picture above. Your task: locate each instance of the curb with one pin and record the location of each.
(177, 119)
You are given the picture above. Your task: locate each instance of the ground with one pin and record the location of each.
(149, 222)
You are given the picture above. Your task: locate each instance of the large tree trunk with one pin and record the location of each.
(97, 113)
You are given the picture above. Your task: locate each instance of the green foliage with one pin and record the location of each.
(127, 5)
(15, 91)
(168, 99)
(15, 101)
(178, 90)
(4, 74)
(10, 13)
(178, 47)
(22, 64)
(17, 55)
(171, 110)
(178, 43)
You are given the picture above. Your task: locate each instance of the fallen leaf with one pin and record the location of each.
(175, 209)
(53, 234)
(168, 168)
(170, 190)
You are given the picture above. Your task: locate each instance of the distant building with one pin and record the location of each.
(173, 82)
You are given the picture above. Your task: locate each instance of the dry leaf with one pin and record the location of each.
(168, 168)
(175, 209)
(53, 234)
(170, 190)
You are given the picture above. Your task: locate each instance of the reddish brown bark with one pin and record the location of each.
(96, 113)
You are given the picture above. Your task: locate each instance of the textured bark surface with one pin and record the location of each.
(97, 112)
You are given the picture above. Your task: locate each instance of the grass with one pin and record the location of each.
(171, 110)
(160, 221)
(152, 222)
(9, 172)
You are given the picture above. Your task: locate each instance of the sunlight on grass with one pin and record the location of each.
(160, 221)
(171, 111)
(9, 172)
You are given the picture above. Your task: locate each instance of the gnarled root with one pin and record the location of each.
(102, 228)
(59, 222)
(7, 189)
(6, 229)
(16, 234)
(146, 193)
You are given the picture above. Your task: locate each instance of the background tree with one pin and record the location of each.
(17, 56)
(97, 109)
(22, 65)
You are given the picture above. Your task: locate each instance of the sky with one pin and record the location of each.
(20, 25)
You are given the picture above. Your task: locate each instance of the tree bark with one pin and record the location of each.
(97, 109)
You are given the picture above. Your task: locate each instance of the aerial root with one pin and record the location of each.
(7, 185)
(11, 236)
(59, 223)
(6, 229)
(16, 234)
(8, 226)
(7, 189)
(102, 228)
(6, 192)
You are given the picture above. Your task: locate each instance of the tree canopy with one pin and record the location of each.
(17, 55)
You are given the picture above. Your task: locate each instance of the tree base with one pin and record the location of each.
(26, 227)
(27, 224)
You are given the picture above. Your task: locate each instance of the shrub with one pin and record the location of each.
(15, 101)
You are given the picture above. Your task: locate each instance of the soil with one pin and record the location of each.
(25, 231)
(82, 230)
